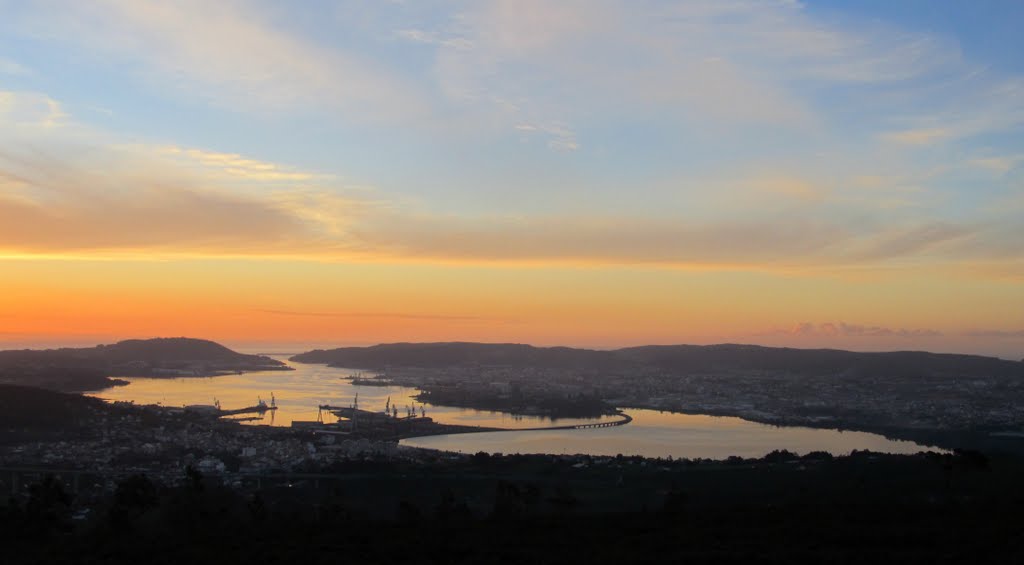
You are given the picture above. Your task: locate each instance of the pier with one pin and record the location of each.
(258, 409)
(625, 419)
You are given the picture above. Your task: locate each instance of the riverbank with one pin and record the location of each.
(987, 439)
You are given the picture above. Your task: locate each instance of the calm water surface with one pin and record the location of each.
(660, 434)
(300, 392)
(652, 433)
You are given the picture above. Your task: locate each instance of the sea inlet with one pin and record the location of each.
(299, 393)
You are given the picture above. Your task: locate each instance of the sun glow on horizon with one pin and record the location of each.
(842, 176)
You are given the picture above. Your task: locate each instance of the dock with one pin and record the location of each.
(258, 409)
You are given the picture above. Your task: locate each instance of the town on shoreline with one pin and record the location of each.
(78, 469)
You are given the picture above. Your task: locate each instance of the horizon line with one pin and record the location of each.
(41, 346)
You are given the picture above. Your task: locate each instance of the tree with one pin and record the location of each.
(48, 508)
(133, 497)
(194, 478)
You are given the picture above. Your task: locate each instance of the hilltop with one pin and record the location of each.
(89, 368)
(449, 354)
(168, 349)
(931, 398)
(723, 358)
(25, 409)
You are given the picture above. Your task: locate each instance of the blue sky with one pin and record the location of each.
(773, 136)
(754, 85)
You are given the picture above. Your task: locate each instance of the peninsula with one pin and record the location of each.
(91, 368)
(938, 399)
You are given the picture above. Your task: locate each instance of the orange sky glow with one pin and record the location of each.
(254, 303)
(782, 173)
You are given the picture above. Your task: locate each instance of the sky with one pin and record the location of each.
(593, 173)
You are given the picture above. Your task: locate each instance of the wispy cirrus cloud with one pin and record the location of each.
(585, 57)
(594, 239)
(234, 54)
(388, 315)
(237, 166)
(11, 67)
(560, 137)
(498, 64)
(28, 110)
(433, 38)
(842, 329)
(913, 241)
(997, 163)
(919, 136)
(996, 333)
(73, 189)
(718, 64)
(65, 187)
(980, 102)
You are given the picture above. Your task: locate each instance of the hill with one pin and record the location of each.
(435, 355)
(88, 368)
(169, 349)
(29, 408)
(734, 357)
(724, 358)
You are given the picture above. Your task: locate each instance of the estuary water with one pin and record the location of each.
(661, 434)
(298, 393)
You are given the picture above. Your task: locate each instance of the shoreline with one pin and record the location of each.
(936, 438)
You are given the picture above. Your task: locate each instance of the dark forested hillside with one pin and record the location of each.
(710, 358)
(460, 354)
(681, 358)
(88, 368)
(23, 407)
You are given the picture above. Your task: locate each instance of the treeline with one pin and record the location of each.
(31, 410)
(63, 379)
(678, 358)
(931, 508)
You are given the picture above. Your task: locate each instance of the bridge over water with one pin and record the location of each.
(625, 419)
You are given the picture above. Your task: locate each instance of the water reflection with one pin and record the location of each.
(660, 434)
(299, 393)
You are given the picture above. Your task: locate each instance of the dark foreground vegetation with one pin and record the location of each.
(929, 508)
(432, 507)
(147, 503)
(35, 413)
